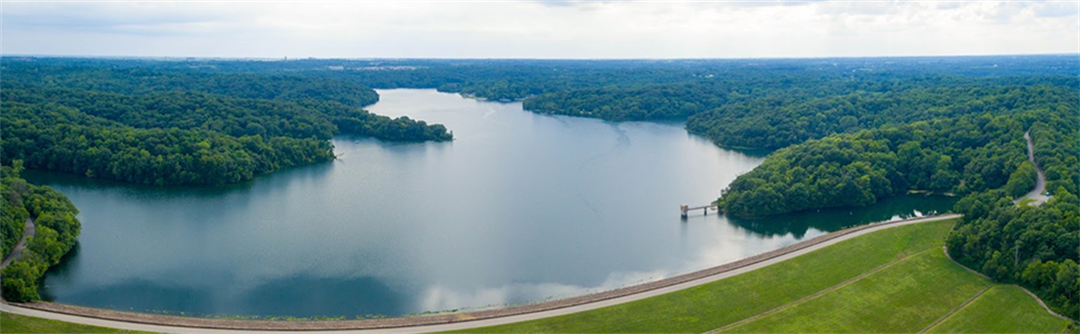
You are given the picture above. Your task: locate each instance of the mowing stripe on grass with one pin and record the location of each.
(958, 308)
(807, 298)
(1043, 304)
(902, 298)
(714, 305)
(1002, 309)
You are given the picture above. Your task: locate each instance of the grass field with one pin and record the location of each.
(894, 300)
(1002, 309)
(895, 280)
(717, 304)
(11, 323)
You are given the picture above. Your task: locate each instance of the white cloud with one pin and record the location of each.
(540, 29)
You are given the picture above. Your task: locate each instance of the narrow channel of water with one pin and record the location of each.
(521, 207)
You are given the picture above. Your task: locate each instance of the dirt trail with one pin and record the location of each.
(28, 232)
(1039, 193)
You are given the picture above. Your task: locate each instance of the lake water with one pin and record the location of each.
(519, 208)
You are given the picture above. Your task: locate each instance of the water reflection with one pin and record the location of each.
(519, 208)
(828, 220)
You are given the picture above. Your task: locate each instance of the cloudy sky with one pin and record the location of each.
(538, 29)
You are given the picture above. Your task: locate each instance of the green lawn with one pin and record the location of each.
(906, 297)
(717, 304)
(11, 323)
(1003, 309)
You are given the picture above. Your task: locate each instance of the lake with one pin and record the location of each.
(518, 208)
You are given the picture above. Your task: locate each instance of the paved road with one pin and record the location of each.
(493, 321)
(28, 232)
(1039, 193)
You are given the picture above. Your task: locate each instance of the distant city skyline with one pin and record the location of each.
(539, 29)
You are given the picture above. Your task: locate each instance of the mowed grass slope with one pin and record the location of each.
(11, 323)
(1002, 309)
(892, 281)
(724, 302)
(905, 297)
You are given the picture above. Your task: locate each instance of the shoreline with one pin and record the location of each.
(474, 319)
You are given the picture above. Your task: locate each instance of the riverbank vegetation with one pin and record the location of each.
(173, 128)
(962, 155)
(56, 229)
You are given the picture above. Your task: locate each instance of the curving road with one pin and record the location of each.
(1038, 195)
(28, 232)
(459, 321)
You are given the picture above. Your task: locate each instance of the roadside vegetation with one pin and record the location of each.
(1034, 246)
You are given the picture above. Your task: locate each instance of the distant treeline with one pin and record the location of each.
(170, 128)
(515, 79)
(95, 75)
(56, 229)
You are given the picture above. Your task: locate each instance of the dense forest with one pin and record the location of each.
(56, 229)
(514, 79)
(172, 128)
(1035, 246)
(90, 75)
(970, 143)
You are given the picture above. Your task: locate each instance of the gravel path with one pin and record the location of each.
(454, 321)
(28, 232)
(1039, 193)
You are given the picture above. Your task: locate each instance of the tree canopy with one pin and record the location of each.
(56, 229)
(154, 126)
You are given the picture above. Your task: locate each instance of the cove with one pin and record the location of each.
(518, 208)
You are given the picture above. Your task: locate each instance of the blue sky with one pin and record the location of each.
(539, 29)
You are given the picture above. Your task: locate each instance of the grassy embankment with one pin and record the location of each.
(11, 323)
(1002, 309)
(896, 280)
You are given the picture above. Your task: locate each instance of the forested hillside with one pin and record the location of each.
(958, 140)
(777, 121)
(1035, 246)
(55, 232)
(169, 128)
